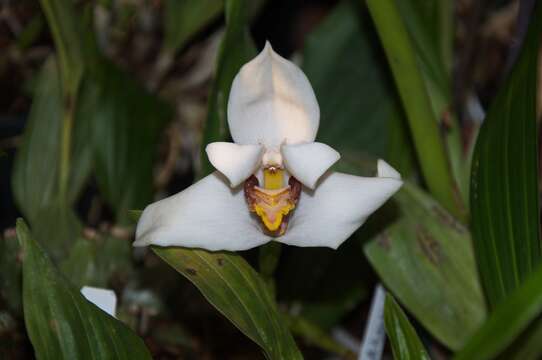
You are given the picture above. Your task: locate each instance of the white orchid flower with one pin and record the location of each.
(274, 182)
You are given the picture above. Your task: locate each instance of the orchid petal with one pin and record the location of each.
(206, 215)
(272, 102)
(236, 162)
(309, 161)
(340, 204)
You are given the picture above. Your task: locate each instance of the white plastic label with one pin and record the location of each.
(375, 333)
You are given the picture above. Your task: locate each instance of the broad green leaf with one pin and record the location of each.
(356, 97)
(60, 322)
(36, 171)
(184, 18)
(410, 82)
(230, 284)
(509, 318)
(426, 260)
(504, 183)
(126, 125)
(235, 50)
(403, 338)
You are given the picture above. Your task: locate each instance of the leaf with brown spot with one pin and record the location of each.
(232, 286)
(429, 266)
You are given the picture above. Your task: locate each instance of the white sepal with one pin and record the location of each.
(236, 162)
(208, 214)
(309, 161)
(340, 204)
(272, 102)
(386, 171)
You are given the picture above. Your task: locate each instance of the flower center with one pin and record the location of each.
(274, 202)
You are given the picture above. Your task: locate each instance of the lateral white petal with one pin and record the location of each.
(236, 162)
(272, 102)
(340, 204)
(309, 161)
(206, 215)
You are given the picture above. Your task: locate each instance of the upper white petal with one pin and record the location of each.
(272, 102)
(206, 215)
(236, 162)
(309, 161)
(340, 204)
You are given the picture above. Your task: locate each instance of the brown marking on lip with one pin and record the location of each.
(271, 202)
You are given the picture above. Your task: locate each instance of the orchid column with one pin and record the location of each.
(273, 182)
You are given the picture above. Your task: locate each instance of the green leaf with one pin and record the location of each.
(60, 322)
(235, 50)
(426, 260)
(36, 170)
(413, 90)
(230, 284)
(66, 33)
(430, 26)
(403, 338)
(507, 321)
(356, 97)
(504, 183)
(127, 122)
(184, 18)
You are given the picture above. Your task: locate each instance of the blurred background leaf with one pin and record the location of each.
(35, 176)
(504, 184)
(94, 262)
(66, 32)
(61, 323)
(184, 18)
(355, 111)
(127, 122)
(403, 338)
(430, 148)
(426, 260)
(235, 50)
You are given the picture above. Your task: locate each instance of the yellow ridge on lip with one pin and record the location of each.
(274, 201)
(279, 215)
(273, 178)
